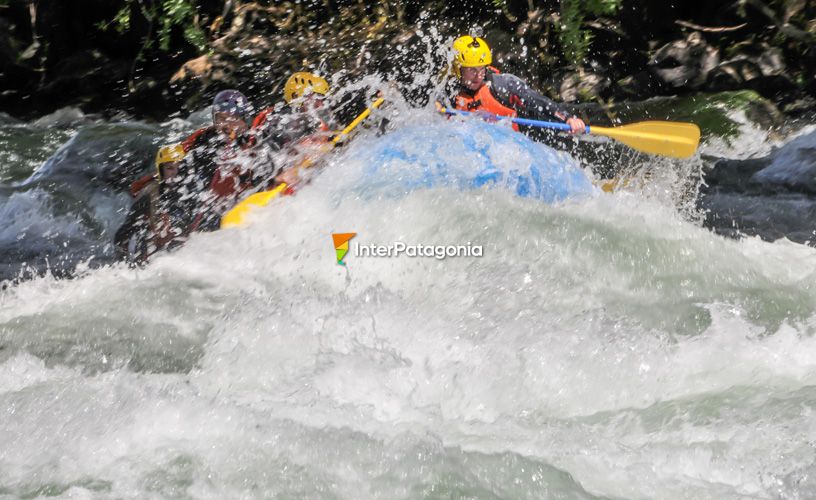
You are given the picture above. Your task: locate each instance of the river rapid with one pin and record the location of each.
(603, 346)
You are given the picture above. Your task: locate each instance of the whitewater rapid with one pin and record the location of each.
(602, 347)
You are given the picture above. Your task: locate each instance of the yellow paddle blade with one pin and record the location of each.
(237, 215)
(610, 185)
(675, 139)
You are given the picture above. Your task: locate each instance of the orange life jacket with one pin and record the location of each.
(483, 100)
(320, 137)
(306, 147)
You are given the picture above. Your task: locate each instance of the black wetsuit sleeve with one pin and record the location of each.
(514, 93)
(135, 222)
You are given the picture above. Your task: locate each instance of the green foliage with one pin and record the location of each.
(180, 13)
(162, 16)
(122, 19)
(575, 39)
(712, 112)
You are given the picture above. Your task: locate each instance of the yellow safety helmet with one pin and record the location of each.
(470, 52)
(298, 83)
(167, 154)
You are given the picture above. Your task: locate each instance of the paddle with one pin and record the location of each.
(307, 162)
(235, 216)
(674, 139)
(362, 116)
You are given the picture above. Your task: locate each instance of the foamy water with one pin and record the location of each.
(603, 346)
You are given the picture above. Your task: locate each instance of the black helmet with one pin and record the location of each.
(232, 102)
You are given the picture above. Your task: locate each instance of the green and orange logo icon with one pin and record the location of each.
(341, 245)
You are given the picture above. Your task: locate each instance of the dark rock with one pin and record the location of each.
(732, 74)
(771, 217)
(8, 54)
(771, 197)
(772, 62)
(800, 106)
(777, 87)
(758, 67)
(789, 169)
(685, 63)
(86, 76)
(13, 74)
(6, 119)
(583, 86)
(638, 86)
(793, 167)
(765, 74)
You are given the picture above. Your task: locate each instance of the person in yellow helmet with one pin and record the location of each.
(296, 128)
(168, 161)
(481, 87)
(304, 112)
(303, 85)
(148, 226)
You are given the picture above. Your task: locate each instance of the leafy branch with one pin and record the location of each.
(162, 17)
(575, 39)
(167, 15)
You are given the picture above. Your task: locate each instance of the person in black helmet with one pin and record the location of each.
(218, 162)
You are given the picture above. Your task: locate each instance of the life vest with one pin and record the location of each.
(262, 117)
(191, 141)
(309, 150)
(162, 231)
(226, 181)
(323, 129)
(320, 137)
(229, 182)
(159, 231)
(257, 123)
(483, 100)
(142, 182)
(304, 147)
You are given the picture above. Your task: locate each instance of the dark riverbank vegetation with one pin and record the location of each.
(151, 58)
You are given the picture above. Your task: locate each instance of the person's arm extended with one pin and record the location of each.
(514, 93)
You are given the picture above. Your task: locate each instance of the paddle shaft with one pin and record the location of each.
(521, 121)
(362, 116)
(344, 133)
